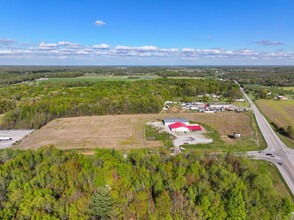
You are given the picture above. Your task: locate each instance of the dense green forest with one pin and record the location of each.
(53, 184)
(31, 105)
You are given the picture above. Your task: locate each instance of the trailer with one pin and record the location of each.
(5, 138)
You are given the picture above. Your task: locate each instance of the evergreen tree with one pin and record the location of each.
(101, 204)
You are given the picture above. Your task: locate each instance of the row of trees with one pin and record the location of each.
(33, 105)
(287, 131)
(53, 184)
(19, 76)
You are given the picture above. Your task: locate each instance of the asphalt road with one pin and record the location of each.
(276, 152)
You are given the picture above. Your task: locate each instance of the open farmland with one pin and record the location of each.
(279, 112)
(125, 131)
(289, 88)
(100, 78)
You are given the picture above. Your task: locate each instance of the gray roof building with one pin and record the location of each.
(168, 121)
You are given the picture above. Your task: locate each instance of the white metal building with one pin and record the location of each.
(169, 121)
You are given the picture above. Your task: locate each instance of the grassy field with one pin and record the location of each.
(288, 88)
(185, 77)
(279, 112)
(151, 133)
(99, 78)
(241, 104)
(128, 131)
(224, 143)
(275, 91)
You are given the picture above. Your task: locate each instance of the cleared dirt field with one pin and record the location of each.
(124, 131)
(279, 112)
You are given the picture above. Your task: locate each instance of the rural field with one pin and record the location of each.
(126, 131)
(100, 78)
(279, 112)
(289, 88)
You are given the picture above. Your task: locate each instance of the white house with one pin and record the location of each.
(239, 100)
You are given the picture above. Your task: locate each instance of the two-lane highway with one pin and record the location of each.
(276, 152)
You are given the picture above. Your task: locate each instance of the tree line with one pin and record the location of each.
(33, 105)
(53, 184)
(19, 76)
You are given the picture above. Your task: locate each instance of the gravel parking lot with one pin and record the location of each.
(16, 135)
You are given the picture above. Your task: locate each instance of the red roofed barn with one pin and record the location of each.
(179, 126)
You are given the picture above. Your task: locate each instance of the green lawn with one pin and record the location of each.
(151, 133)
(289, 88)
(256, 142)
(241, 104)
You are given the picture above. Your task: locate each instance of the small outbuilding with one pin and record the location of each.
(237, 135)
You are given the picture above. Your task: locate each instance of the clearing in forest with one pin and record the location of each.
(126, 131)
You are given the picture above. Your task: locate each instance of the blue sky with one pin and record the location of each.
(147, 32)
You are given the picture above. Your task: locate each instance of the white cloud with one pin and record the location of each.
(7, 41)
(172, 50)
(77, 52)
(47, 46)
(188, 50)
(142, 48)
(82, 52)
(51, 46)
(144, 51)
(6, 52)
(101, 46)
(269, 43)
(68, 44)
(99, 23)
